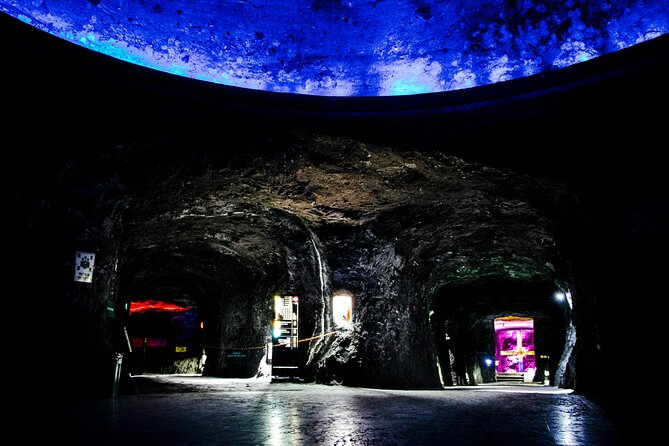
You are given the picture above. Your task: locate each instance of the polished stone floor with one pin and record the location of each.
(196, 410)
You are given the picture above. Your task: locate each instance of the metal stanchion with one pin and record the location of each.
(118, 360)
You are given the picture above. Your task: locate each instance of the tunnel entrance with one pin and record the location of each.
(498, 333)
(165, 338)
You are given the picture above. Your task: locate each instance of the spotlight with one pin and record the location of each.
(488, 362)
(561, 296)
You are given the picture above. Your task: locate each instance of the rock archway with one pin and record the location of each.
(419, 239)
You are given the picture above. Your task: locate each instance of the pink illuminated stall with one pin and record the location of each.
(514, 346)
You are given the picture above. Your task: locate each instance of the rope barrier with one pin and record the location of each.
(330, 333)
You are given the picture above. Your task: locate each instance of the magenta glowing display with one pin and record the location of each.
(514, 346)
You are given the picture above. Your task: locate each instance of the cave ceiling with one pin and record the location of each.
(349, 48)
(193, 222)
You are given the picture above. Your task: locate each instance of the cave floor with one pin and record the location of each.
(196, 410)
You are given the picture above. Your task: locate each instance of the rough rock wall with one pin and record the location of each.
(388, 346)
(307, 214)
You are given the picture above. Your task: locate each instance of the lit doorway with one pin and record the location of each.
(342, 309)
(515, 358)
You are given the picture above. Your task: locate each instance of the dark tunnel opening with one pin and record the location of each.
(462, 321)
(222, 305)
(225, 263)
(164, 339)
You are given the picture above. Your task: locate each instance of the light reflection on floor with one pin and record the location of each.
(565, 428)
(198, 411)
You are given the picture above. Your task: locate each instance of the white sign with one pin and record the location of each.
(83, 266)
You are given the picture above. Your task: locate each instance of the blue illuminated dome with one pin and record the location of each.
(349, 48)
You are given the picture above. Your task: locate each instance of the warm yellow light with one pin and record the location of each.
(278, 306)
(342, 309)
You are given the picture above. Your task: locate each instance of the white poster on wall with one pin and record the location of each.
(83, 266)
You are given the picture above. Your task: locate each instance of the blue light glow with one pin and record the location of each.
(349, 48)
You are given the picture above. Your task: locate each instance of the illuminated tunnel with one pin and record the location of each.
(444, 164)
(226, 262)
(425, 245)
